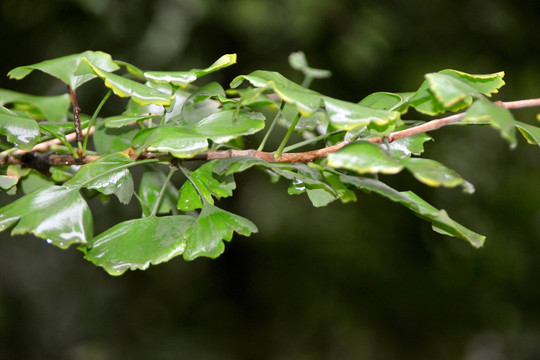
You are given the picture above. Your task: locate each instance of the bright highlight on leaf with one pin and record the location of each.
(364, 157)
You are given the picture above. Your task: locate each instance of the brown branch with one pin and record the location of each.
(44, 161)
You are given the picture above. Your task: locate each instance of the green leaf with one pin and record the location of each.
(65, 68)
(482, 111)
(180, 78)
(58, 214)
(178, 141)
(108, 175)
(213, 226)
(123, 87)
(486, 84)
(407, 146)
(52, 108)
(108, 141)
(433, 173)
(209, 184)
(364, 157)
(298, 61)
(135, 244)
(347, 116)
(150, 188)
(184, 78)
(450, 91)
(439, 219)
(114, 122)
(226, 125)
(21, 131)
(307, 101)
(385, 100)
(529, 132)
(7, 182)
(222, 62)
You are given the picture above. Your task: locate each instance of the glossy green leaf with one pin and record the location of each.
(180, 78)
(58, 214)
(108, 140)
(52, 108)
(433, 173)
(439, 219)
(529, 132)
(178, 141)
(223, 62)
(123, 87)
(33, 181)
(364, 157)
(149, 189)
(498, 117)
(347, 116)
(66, 68)
(385, 100)
(320, 197)
(407, 146)
(213, 226)
(108, 175)
(448, 90)
(298, 61)
(7, 182)
(226, 125)
(139, 243)
(486, 84)
(114, 122)
(21, 131)
(307, 101)
(209, 184)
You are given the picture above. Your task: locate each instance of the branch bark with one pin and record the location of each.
(44, 161)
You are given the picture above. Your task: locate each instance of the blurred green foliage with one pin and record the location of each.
(339, 282)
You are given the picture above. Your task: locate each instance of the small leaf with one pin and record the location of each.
(123, 87)
(180, 78)
(212, 227)
(108, 141)
(149, 189)
(385, 100)
(7, 182)
(65, 68)
(306, 101)
(222, 62)
(58, 214)
(108, 175)
(347, 116)
(52, 108)
(209, 184)
(135, 244)
(114, 122)
(178, 141)
(486, 84)
(226, 125)
(498, 117)
(298, 61)
(439, 219)
(364, 157)
(448, 90)
(529, 132)
(21, 131)
(409, 145)
(433, 173)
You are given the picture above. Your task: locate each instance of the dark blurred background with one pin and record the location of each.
(366, 280)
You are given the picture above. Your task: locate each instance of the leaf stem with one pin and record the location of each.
(162, 191)
(271, 128)
(93, 120)
(279, 151)
(77, 119)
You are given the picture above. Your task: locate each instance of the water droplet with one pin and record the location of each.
(49, 241)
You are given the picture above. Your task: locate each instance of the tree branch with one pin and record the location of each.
(43, 162)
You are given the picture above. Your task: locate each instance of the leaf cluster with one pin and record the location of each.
(171, 122)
